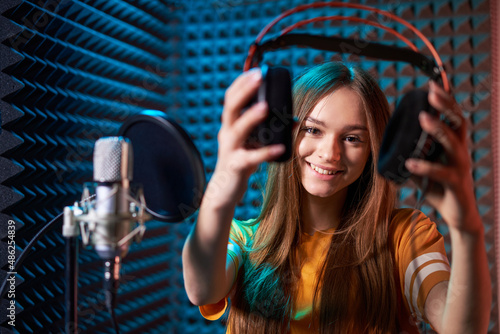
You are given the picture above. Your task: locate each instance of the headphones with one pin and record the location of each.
(403, 136)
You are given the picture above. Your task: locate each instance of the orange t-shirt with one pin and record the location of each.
(419, 258)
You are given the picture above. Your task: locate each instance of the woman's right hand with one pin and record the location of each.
(208, 273)
(235, 162)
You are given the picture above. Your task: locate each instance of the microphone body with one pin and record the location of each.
(112, 202)
(113, 160)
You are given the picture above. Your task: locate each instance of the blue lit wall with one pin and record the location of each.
(73, 70)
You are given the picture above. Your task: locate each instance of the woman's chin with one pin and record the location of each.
(321, 193)
(324, 192)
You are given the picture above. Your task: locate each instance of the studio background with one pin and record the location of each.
(72, 71)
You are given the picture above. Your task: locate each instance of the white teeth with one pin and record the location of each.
(321, 170)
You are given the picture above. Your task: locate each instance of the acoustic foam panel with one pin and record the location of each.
(72, 71)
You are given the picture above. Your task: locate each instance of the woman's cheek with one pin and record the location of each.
(302, 148)
(358, 157)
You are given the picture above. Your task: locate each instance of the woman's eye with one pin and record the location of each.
(311, 130)
(352, 139)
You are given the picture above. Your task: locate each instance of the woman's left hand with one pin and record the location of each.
(451, 191)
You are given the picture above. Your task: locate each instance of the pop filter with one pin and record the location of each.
(167, 164)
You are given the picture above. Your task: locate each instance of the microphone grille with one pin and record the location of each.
(112, 159)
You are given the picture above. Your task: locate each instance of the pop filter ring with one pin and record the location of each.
(142, 127)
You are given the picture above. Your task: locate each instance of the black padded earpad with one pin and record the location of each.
(402, 134)
(276, 90)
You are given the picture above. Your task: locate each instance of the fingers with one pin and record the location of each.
(236, 127)
(446, 104)
(267, 153)
(243, 160)
(235, 135)
(243, 126)
(434, 171)
(452, 133)
(239, 94)
(440, 131)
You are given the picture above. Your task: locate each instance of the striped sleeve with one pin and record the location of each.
(239, 238)
(420, 258)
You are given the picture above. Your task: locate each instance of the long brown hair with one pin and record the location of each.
(266, 284)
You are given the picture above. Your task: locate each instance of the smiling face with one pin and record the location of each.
(333, 144)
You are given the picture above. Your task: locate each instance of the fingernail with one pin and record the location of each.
(411, 164)
(277, 149)
(437, 88)
(295, 119)
(261, 107)
(255, 74)
(426, 117)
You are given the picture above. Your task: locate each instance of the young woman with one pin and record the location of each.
(329, 252)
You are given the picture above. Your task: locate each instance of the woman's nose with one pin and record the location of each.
(329, 149)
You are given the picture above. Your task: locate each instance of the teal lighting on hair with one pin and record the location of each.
(351, 70)
(263, 291)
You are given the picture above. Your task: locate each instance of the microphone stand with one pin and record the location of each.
(71, 289)
(79, 218)
(71, 232)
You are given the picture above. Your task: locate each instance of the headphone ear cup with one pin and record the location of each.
(404, 138)
(276, 90)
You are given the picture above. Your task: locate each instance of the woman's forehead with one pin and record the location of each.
(342, 105)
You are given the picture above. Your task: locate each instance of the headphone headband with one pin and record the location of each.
(343, 45)
(376, 49)
(353, 19)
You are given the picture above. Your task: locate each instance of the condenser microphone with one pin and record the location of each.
(113, 161)
(169, 177)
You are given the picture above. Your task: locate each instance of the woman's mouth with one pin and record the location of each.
(322, 171)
